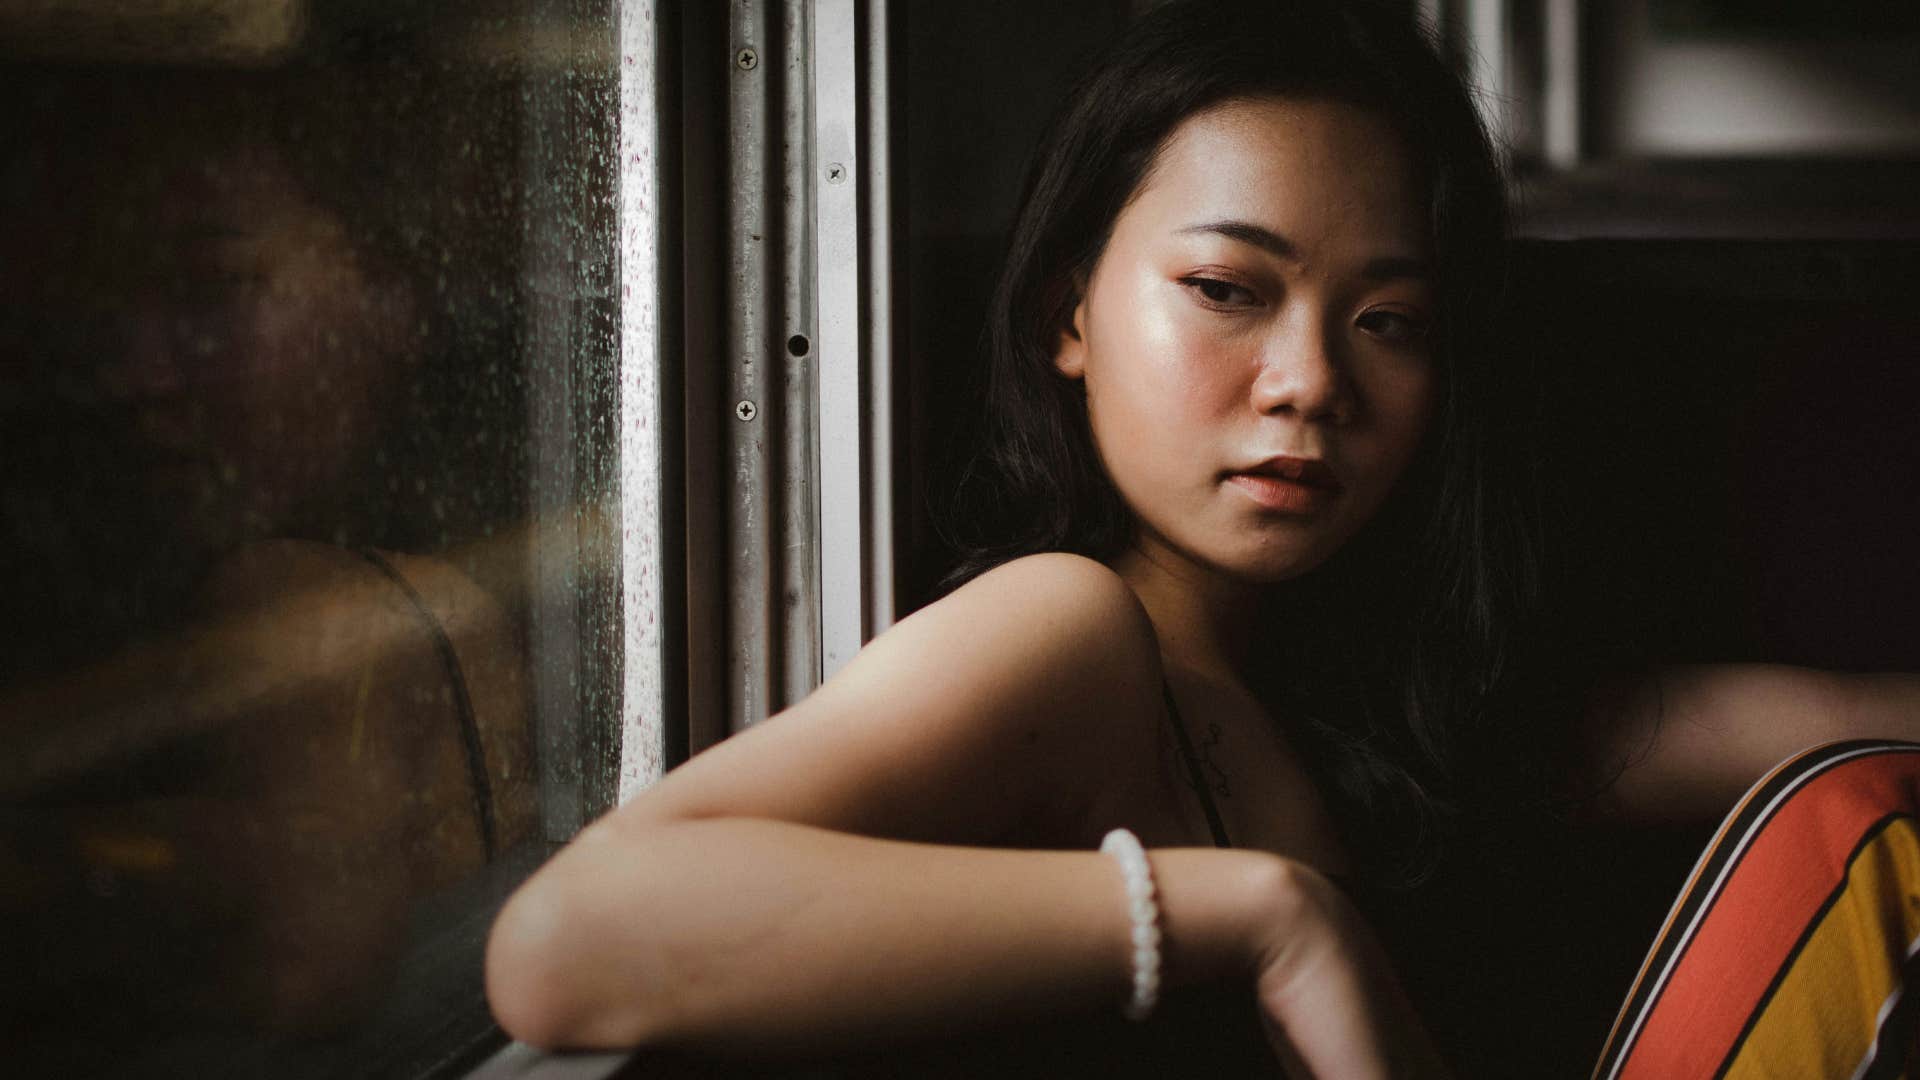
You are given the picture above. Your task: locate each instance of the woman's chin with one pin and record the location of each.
(1268, 566)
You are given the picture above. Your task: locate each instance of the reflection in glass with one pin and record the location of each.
(265, 695)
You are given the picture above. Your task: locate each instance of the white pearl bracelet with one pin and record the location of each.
(1145, 916)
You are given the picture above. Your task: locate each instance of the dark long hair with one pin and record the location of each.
(1392, 701)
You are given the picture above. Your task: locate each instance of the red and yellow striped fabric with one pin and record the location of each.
(1788, 952)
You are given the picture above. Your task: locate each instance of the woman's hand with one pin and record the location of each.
(1332, 1008)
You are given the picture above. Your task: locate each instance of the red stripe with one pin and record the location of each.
(1796, 861)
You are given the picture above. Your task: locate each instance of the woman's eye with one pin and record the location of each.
(1219, 293)
(1393, 326)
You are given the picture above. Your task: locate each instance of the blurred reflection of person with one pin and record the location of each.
(202, 370)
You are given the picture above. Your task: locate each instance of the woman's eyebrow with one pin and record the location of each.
(1383, 268)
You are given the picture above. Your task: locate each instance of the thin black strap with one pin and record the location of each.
(463, 705)
(1193, 771)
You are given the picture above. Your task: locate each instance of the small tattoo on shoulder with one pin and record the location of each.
(1199, 758)
(1217, 777)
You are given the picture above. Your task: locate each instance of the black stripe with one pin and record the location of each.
(1896, 1040)
(463, 705)
(1893, 1048)
(1712, 864)
(1806, 934)
(1214, 823)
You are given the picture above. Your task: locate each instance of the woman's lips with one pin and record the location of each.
(1288, 485)
(1280, 495)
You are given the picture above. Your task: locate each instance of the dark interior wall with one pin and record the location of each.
(1730, 462)
(980, 79)
(1729, 470)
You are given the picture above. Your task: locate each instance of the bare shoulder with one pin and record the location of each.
(961, 723)
(1069, 598)
(1063, 570)
(1045, 648)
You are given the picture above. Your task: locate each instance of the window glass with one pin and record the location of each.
(304, 397)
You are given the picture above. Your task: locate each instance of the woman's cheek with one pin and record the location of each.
(1416, 414)
(1181, 351)
(1398, 442)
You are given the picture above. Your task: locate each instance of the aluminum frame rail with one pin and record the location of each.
(756, 395)
(852, 270)
(649, 234)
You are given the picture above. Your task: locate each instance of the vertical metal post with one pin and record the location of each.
(648, 256)
(1487, 52)
(786, 503)
(838, 336)
(799, 508)
(748, 479)
(877, 320)
(1560, 108)
(767, 479)
(1432, 14)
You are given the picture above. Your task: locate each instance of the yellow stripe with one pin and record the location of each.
(1822, 1018)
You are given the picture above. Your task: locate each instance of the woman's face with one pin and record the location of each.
(217, 352)
(1253, 338)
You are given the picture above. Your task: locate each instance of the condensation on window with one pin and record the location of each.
(308, 638)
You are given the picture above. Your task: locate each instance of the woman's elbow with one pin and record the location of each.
(526, 976)
(546, 980)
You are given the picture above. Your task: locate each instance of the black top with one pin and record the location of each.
(1218, 827)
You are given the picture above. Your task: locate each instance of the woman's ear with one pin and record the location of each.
(1070, 350)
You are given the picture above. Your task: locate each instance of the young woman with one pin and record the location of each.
(1241, 476)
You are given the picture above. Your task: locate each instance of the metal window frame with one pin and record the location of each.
(649, 417)
(1550, 118)
(777, 465)
(840, 449)
(760, 647)
(853, 271)
(1561, 115)
(728, 439)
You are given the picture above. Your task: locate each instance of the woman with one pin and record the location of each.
(1246, 589)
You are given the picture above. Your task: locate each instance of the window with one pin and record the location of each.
(309, 529)
(1700, 118)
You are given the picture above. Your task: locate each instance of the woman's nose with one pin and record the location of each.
(1300, 373)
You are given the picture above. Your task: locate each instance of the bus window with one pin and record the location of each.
(305, 410)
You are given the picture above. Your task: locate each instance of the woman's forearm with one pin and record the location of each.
(763, 936)
(1682, 743)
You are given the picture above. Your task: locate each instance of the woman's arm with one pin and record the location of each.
(765, 936)
(802, 885)
(745, 936)
(1682, 744)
